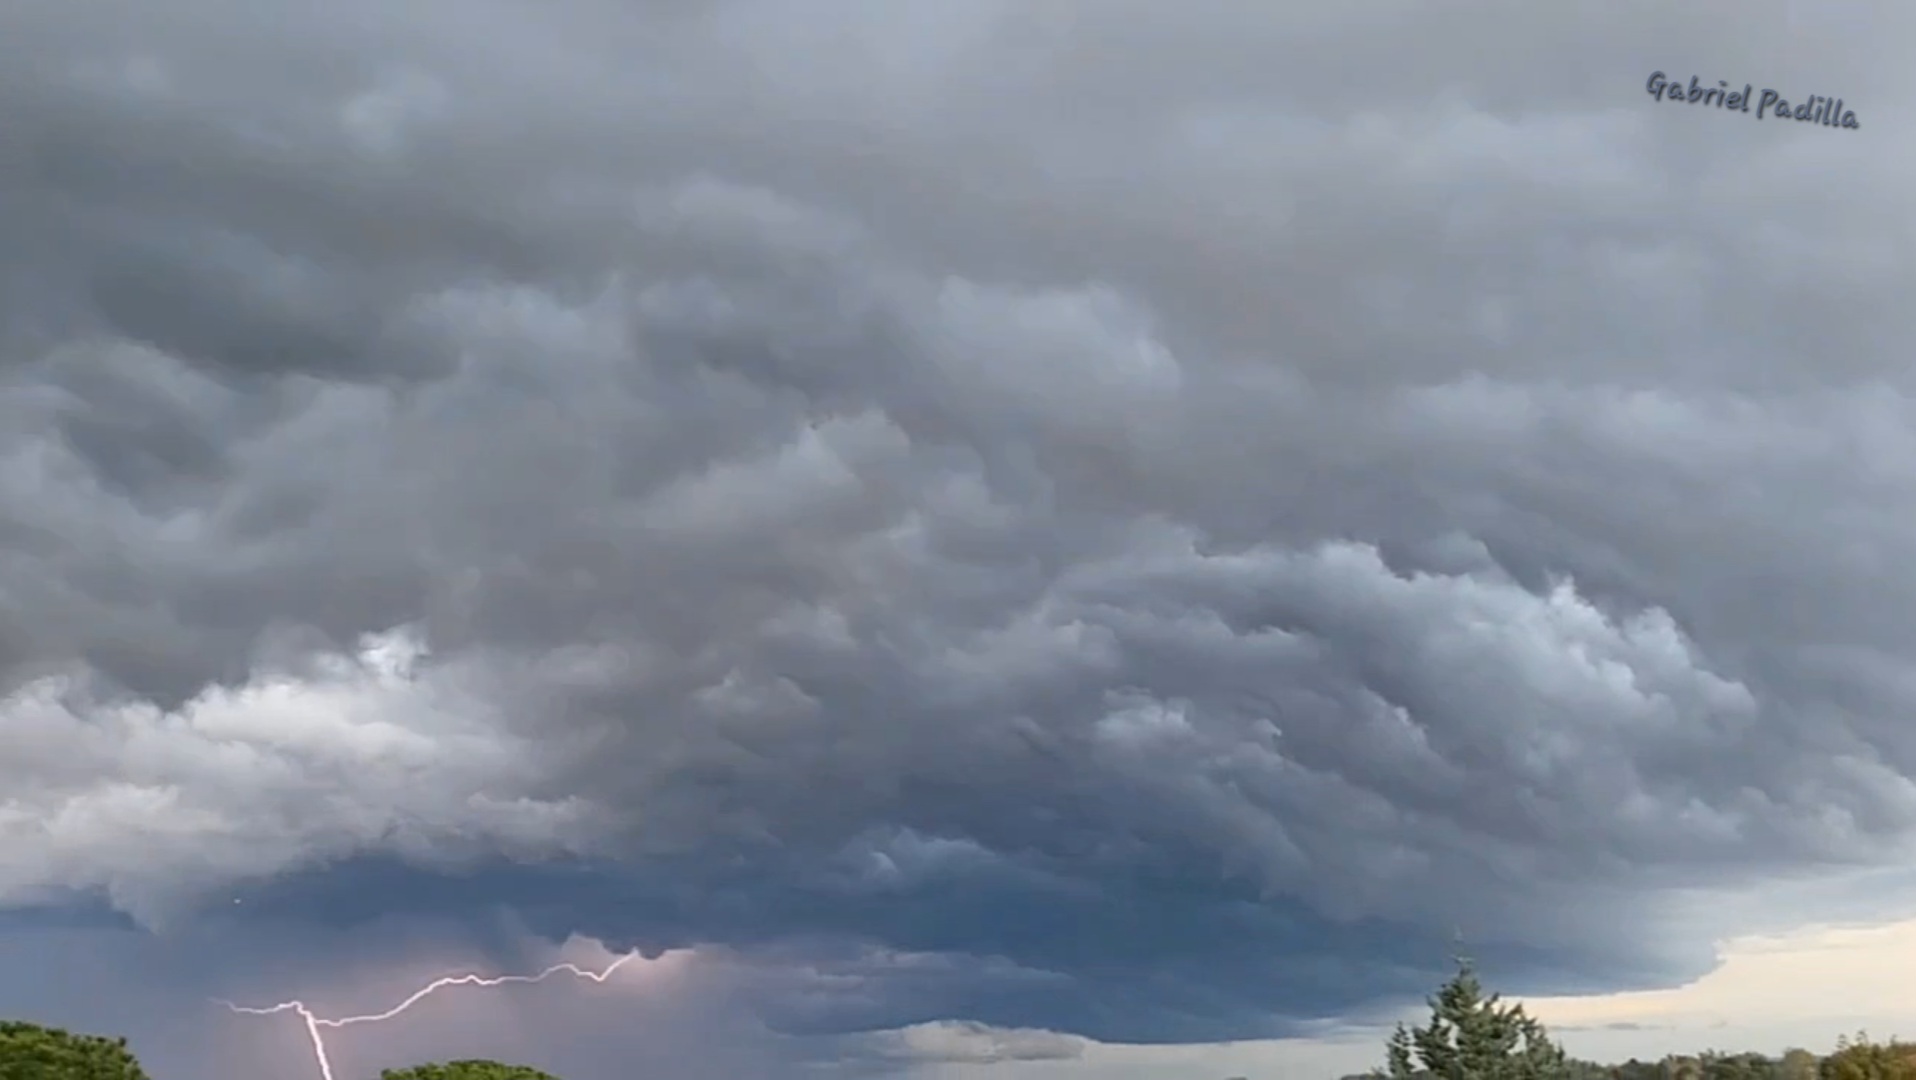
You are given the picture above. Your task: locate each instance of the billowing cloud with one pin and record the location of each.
(1000, 518)
(968, 1044)
(159, 808)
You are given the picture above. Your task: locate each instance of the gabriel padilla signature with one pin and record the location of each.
(1826, 111)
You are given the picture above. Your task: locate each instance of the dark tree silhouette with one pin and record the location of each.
(32, 1052)
(1474, 1037)
(466, 1070)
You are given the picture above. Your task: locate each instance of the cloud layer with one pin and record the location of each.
(1052, 516)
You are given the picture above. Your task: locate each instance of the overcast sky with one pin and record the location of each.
(971, 532)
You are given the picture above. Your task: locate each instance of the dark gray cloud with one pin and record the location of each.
(1053, 516)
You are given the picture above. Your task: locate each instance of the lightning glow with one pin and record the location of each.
(315, 1023)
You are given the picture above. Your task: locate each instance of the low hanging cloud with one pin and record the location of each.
(969, 1044)
(163, 808)
(1007, 521)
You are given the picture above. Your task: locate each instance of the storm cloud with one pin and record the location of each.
(1060, 517)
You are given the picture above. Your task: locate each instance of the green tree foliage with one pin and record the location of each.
(32, 1052)
(1717, 1065)
(1798, 1064)
(1637, 1070)
(465, 1070)
(1474, 1037)
(1683, 1067)
(1859, 1058)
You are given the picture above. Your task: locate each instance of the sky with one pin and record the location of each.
(987, 540)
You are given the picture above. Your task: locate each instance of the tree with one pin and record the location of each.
(1798, 1064)
(1637, 1070)
(1860, 1059)
(1717, 1065)
(465, 1070)
(1473, 1037)
(31, 1052)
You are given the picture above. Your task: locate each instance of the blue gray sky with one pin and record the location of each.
(1002, 539)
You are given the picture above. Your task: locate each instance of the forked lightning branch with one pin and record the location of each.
(314, 1023)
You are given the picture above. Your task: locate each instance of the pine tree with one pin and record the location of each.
(1473, 1037)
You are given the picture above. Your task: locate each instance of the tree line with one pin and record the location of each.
(33, 1052)
(1476, 1036)
(1471, 1035)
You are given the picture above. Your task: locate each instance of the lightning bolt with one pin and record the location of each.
(314, 1023)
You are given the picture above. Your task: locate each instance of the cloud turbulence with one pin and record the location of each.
(1062, 518)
